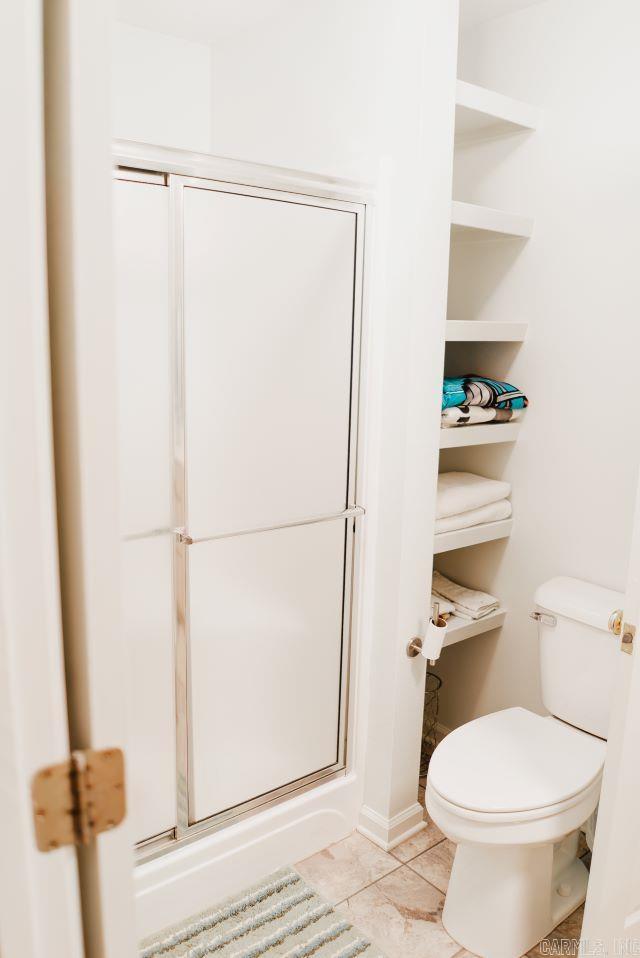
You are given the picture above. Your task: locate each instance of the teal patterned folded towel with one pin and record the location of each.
(472, 390)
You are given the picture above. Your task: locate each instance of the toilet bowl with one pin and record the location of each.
(512, 789)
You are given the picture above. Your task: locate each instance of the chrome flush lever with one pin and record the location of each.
(545, 618)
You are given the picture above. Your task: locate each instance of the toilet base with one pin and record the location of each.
(503, 899)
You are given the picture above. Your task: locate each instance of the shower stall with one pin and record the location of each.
(239, 314)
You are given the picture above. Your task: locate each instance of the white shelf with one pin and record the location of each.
(460, 629)
(470, 221)
(482, 113)
(447, 541)
(484, 332)
(453, 437)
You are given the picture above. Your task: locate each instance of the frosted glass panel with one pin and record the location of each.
(142, 318)
(268, 308)
(148, 625)
(144, 408)
(266, 632)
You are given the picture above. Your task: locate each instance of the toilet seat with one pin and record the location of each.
(531, 815)
(515, 765)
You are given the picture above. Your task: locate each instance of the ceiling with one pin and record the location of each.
(211, 20)
(475, 11)
(205, 20)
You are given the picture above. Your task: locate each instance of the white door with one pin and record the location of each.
(612, 915)
(84, 390)
(39, 892)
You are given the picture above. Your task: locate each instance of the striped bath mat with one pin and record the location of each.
(281, 916)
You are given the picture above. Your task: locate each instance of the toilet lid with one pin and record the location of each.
(514, 761)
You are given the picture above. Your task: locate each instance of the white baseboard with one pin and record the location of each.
(389, 832)
(196, 876)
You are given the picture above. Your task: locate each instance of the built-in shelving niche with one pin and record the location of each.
(480, 343)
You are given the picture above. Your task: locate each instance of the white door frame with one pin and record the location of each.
(83, 348)
(39, 893)
(612, 915)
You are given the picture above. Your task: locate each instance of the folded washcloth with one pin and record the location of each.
(444, 606)
(475, 517)
(468, 415)
(472, 390)
(462, 491)
(467, 603)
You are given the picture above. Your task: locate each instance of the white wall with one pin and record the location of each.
(303, 90)
(574, 468)
(160, 89)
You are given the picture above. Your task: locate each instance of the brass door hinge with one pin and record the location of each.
(628, 635)
(77, 799)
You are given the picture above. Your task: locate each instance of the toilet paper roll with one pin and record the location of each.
(432, 644)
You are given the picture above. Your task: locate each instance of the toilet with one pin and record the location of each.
(513, 788)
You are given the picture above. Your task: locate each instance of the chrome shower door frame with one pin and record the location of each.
(174, 165)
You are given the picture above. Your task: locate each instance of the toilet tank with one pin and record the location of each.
(578, 653)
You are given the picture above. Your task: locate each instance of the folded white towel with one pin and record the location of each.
(463, 491)
(474, 517)
(444, 606)
(467, 603)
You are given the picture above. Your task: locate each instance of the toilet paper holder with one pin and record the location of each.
(414, 647)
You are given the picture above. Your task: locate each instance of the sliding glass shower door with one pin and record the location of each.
(264, 296)
(143, 324)
(268, 289)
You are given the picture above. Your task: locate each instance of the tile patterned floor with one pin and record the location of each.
(396, 898)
